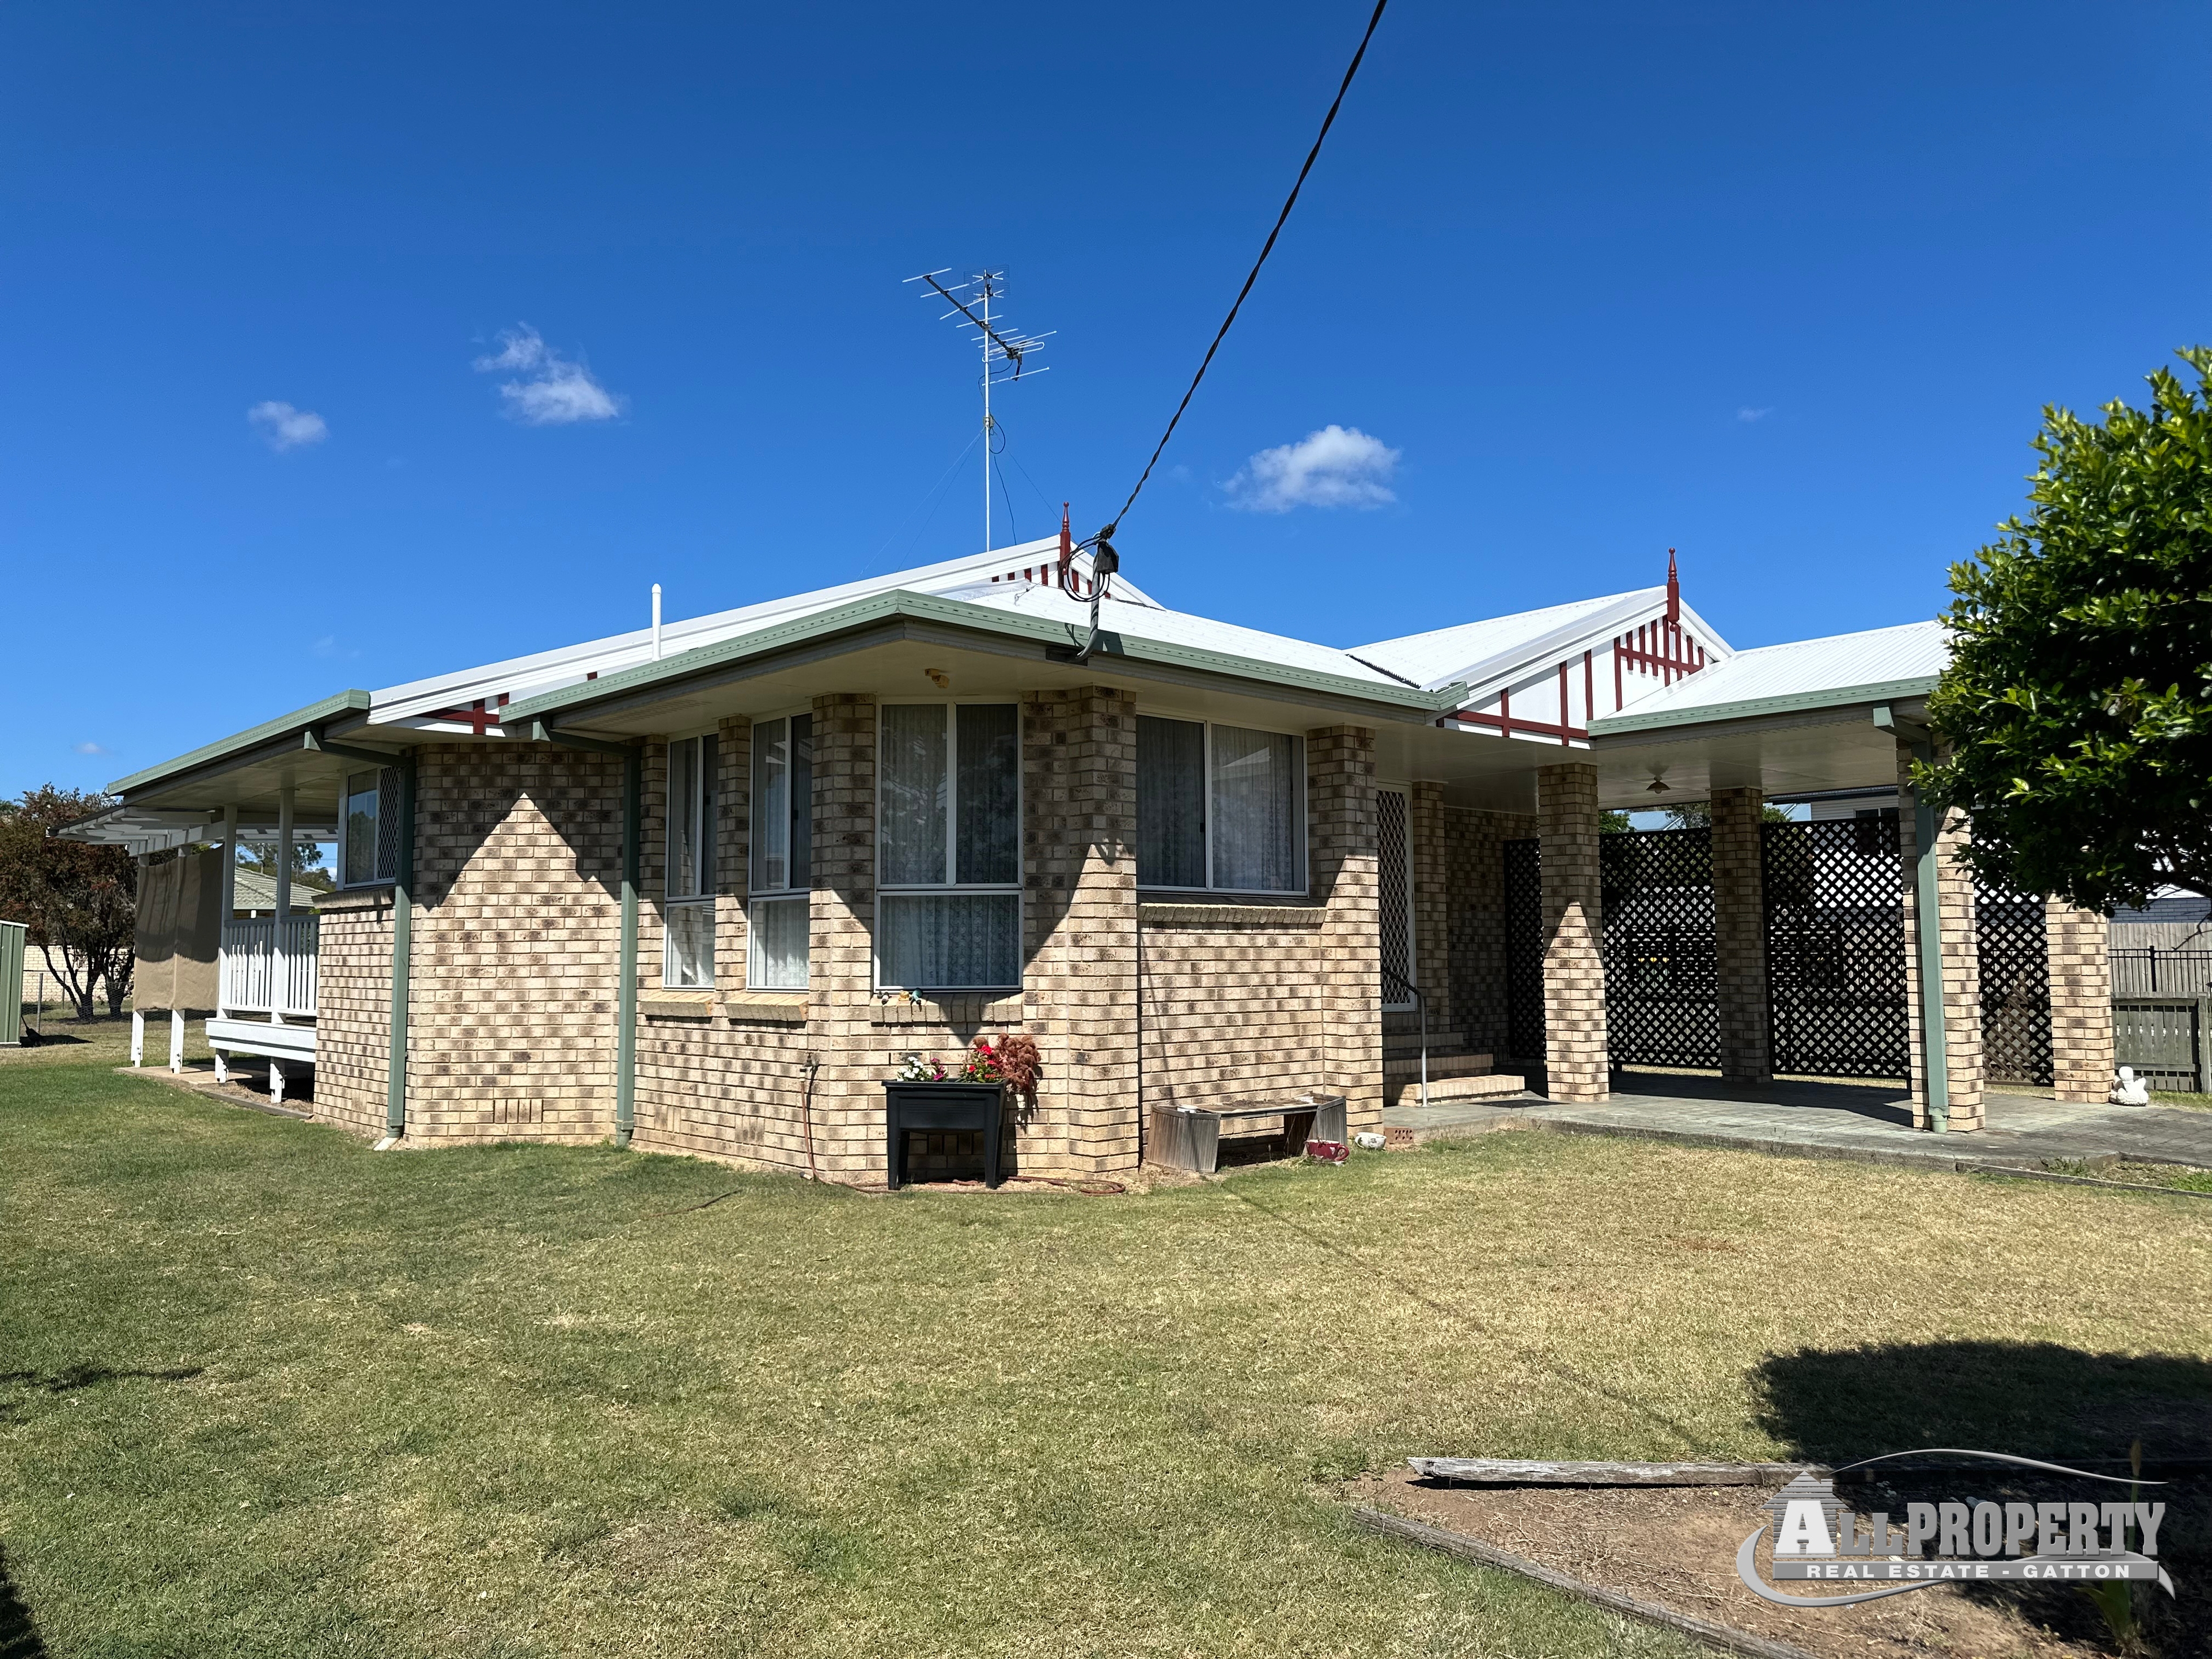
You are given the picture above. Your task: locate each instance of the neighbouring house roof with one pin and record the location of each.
(1841, 669)
(251, 890)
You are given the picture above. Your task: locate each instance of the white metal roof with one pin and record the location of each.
(1837, 663)
(546, 671)
(1480, 652)
(1149, 621)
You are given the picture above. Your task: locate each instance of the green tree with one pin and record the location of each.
(2078, 701)
(79, 900)
(1698, 815)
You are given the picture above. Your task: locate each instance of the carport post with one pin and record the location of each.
(1935, 1051)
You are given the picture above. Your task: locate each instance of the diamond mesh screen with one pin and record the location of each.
(1661, 992)
(1524, 949)
(1394, 897)
(2015, 985)
(387, 823)
(1835, 947)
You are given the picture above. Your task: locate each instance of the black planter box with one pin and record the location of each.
(978, 1106)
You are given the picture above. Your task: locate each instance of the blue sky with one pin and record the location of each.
(1783, 287)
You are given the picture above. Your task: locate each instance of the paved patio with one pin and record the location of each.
(1836, 1119)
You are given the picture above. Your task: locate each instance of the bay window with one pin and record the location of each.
(688, 952)
(1219, 807)
(948, 848)
(782, 853)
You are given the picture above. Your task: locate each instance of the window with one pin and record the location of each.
(782, 854)
(948, 848)
(687, 953)
(369, 849)
(1219, 807)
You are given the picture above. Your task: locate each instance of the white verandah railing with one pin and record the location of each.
(251, 953)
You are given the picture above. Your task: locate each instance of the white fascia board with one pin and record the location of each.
(409, 705)
(1594, 633)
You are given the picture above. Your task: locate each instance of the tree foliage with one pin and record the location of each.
(2078, 701)
(78, 900)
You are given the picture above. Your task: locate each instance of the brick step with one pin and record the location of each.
(1408, 1092)
(1409, 1043)
(1409, 1066)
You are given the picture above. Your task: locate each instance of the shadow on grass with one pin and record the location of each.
(18, 1634)
(2032, 1399)
(73, 1377)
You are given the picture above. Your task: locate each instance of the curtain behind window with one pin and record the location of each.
(911, 783)
(683, 817)
(1259, 809)
(989, 797)
(949, 941)
(778, 937)
(1171, 802)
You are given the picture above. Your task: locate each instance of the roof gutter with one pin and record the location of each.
(1842, 696)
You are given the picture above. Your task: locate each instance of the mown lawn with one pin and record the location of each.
(262, 1391)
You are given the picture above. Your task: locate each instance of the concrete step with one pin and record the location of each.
(1408, 1092)
(1409, 1066)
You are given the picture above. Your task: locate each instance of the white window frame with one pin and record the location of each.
(898, 890)
(707, 847)
(1305, 818)
(791, 893)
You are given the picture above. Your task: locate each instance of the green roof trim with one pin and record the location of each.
(1840, 696)
(901, 605)
(345, 702)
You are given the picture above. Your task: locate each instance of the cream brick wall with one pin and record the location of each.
(2081, 1054)
(353, 1009)
(517, 929)
(1474, 892)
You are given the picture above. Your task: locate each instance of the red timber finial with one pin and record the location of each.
(1066, 545)
(1674, 590)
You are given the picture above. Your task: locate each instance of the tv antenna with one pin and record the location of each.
(1005, 353)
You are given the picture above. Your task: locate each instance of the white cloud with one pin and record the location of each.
(91, 749)
(1336, 466)
(555, 391)
(1749, 413)
(285, 427)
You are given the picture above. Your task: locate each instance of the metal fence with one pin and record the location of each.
(2157, 973)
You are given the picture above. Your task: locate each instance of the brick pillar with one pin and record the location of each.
(847, 1110)
(1432, 907)
(1962, 978)
(1576, 1063)
(2078, 943)
(1740, 935)
(1341, 807)
(1079, 871)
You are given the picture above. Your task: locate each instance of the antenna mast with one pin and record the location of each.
(1005, 353)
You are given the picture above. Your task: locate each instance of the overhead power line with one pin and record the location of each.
(1281, 218)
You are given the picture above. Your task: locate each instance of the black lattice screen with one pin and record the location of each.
(1835, 947)
(1524, 949)
(1662, 993)
(2015, 986)
(1393, 894)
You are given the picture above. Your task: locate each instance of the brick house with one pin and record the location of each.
(702, 887)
